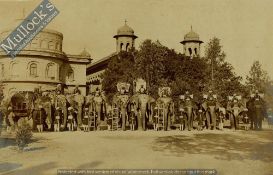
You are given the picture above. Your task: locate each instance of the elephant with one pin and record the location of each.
(256, 111)
(77, 101)
(235, 108)
(143, 109)
(167, 105)
(61, 102)
(99, 106)
(210, 106)
(46, 100)
(188, 107)
(122, 101)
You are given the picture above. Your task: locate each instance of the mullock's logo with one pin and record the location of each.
(29, 28)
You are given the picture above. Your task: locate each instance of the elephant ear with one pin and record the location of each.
(115, 100)
(70, 99)
(152, 100)
(204, 105)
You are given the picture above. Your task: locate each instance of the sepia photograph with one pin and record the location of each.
(136, 87)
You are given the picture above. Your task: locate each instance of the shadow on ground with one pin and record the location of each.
(8, 166)
(221, 146)
(5, 142)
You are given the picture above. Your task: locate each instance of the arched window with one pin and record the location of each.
(70, 75)
(61, 73)
(34, 43)
(44, 44)
(2, 70)
(190, 51)
(121, 46)
(15, 69)
(127, 46)
(33, 70)
(51, 45)
(50, 71)
(195, 51)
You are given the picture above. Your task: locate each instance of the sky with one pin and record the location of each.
(244, 27)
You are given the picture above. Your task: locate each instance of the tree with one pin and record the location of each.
(121, 68)
(23, 135)
(190, 75)
(150, 61)
(223, 79)
(258, 78)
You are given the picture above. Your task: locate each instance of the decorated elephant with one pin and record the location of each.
(142, 104)
(22, 104)
(121, 101)
(60, 101)
(165, 107)
(46, 100)
(99, 106)
(256, 110)
(187, 106)
(235, 109)
(210, 106)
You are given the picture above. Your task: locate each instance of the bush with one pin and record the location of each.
(23, 135)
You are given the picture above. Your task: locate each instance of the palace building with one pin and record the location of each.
(42, 64)
(125, 39)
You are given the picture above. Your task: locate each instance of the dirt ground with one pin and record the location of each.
(229, 152)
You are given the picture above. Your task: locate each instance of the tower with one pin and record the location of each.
(191, 44)
(125, 38)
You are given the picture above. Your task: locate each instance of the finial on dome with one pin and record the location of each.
(85, 53)
(191, 27)
(125, 21)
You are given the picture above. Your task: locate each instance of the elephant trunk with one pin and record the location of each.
(189, 118)
(235, 118)
(143, 117)
(123, 118)
(213, 116)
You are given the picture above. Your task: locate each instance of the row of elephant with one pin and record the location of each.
(209, 113)
(141, 112)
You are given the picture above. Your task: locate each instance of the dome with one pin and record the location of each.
(191, 36)
(84, 53)
(125, 31)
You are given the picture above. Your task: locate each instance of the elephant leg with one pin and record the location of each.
(165, 120)
(123, 123)
(144, 123)
(260, 123)
(139, 122)
(79, 116)
(232, 121)
(98, 117)
(123, 120)
(251, 121)
(255, 121)
(213, 118)
(237, 127)
(65, 117)
(143, 119)
(169, 121)
(185, 122)
(208, 120)
(189, 123)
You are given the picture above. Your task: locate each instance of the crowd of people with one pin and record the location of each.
(56, 111)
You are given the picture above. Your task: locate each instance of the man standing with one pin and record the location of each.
(39, 116)
(10, 121)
